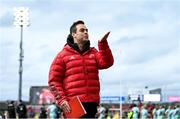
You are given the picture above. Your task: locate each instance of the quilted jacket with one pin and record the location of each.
(76, 74)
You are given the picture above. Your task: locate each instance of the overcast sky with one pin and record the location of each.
(145, 42)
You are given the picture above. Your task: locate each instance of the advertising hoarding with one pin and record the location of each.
(152, 97)
(41, 95)
(174, 99)
(112, 99)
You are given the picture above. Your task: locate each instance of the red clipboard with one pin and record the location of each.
(77, 109)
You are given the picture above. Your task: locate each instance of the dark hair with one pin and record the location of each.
(73, 26)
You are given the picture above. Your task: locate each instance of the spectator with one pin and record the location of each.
(144, 112)
(11, 110)
(53, 111)
(130, 113)
(101, 112)
(5, 115)
(30, 112)
(21, 110)
(161, 112)
(177, 112)
(135, 110)
(43, 113)
(154, 112)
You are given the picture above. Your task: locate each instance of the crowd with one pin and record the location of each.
(142, 111)
(134, 111)
(153, 111)
(21, 111)
(15, 110)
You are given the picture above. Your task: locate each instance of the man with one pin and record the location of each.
(144, 112)
(43, 112)
(11, 110)
(101, 112)
(161, 112)
(136, 112)
(74, 71)
(154, 112)
(21, 110)
(53, 111)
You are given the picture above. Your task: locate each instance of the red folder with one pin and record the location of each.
(77, 109)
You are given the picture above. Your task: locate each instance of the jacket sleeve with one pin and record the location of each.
(104, 56)
(55, 82)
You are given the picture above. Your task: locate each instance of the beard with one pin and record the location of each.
(84, 41)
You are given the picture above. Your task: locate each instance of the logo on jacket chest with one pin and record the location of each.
(72, 58)
(91, 56)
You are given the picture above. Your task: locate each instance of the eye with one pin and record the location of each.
(83, 30)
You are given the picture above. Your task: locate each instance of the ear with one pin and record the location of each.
(73, 35)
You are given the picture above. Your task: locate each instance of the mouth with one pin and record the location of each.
(86, 37)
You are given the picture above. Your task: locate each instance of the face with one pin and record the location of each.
(81, 34)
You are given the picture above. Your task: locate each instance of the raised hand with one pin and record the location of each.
(104, 37)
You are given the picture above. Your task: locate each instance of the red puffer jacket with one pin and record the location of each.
(74, 74)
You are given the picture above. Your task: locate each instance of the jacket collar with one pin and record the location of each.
(70, 42)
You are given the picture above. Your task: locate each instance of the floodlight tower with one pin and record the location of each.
(21, 19)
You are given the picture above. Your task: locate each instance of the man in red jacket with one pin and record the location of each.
(74, 71)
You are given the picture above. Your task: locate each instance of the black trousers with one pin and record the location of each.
(91, 109)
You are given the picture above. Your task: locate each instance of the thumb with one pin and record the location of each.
(104, 37)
